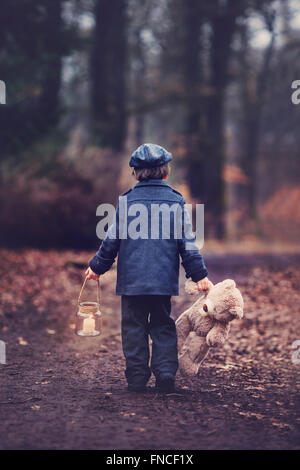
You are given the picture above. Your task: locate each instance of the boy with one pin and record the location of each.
(148, 271)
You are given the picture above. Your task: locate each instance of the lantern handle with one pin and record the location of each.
(82, 289)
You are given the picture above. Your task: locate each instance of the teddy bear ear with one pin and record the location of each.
(191, 287)
(229, 283)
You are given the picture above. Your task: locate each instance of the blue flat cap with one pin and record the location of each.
(149, 156)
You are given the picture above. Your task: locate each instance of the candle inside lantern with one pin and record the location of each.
(88, 326)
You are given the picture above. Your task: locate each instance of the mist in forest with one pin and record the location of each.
(87, 81)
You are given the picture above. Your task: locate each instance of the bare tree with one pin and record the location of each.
(206, 99)
(193, 82)
(253, 100)
(48, 106)
(108, 73)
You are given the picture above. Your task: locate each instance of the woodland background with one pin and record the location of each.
(87, 82)
(90, 80)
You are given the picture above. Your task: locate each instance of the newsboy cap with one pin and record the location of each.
(149, 156)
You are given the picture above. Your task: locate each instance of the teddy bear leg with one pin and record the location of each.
(183, 329)
(192, 355)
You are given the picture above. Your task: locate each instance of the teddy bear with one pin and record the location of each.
(205, 324)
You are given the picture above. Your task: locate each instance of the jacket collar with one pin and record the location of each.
(152, 182)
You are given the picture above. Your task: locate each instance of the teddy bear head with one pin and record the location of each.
(223, 301)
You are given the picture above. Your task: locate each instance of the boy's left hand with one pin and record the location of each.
(89, 274)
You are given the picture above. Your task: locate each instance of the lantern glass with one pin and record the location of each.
(88, 319)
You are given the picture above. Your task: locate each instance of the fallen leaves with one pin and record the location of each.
(22, 341)
(139, 429)
(282, 425)
(250, 387)
(249, 381)
(228, 366)
(50, 332)
(249, 414)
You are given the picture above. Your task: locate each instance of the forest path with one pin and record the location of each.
(60, 391)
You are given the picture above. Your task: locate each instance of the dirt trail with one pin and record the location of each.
(59, 391)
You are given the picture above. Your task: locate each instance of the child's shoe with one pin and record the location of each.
(165, 383)
(138, 388)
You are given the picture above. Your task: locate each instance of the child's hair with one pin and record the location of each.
(157, 173)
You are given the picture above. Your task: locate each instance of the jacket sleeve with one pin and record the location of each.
(105, 256)
(192, 260)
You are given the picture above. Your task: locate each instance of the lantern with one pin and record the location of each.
(88, 317)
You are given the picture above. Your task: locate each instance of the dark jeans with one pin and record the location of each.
(144, 315)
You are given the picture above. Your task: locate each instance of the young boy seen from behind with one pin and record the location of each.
(148, 268)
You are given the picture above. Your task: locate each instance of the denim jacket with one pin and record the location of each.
(148, 264)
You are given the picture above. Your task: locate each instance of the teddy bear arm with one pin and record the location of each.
(217, 335)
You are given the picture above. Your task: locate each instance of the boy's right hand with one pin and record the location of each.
(89, 274)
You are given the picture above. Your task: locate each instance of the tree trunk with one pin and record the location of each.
(253, 107)
(223, 23)
(140, 88)
(193, 18)
(108, 73)
(205, 115)
(53, 50)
